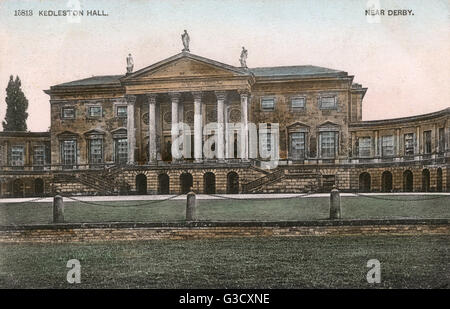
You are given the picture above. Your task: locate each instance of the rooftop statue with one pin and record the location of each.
(185, 39)
(243, 59)
(130, 64)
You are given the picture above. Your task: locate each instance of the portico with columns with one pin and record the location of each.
(193, 91)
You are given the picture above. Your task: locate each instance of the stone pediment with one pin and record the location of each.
(94, 132)
(186, 65)
(328, 125)
(67, 134)
(297, 127)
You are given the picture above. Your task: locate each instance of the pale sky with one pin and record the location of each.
(403, 60)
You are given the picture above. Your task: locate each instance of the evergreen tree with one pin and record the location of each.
(16, 107)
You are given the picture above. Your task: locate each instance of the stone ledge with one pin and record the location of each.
(212, 224)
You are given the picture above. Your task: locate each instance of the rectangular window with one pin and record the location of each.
(328, 102)
(268, 104)
(96, 151)
(364, 146)
(121, 148)
(297, 145)
(427, 142)
(69, 153)
(95, 111)
(441, 140)
(17, 155)
(121, 111)
(68, 113)
(387, 146)
(409, 144)
(39, 155)
(328, 144)
(298, 104)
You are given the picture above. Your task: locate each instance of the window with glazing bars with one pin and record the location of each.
(39, 155)
(364, 146)
(427, 142)
(69, 152)
(409, 144)
(297, 144)
(328, 143)
(17, 155)
(387, 146)
(95, 151)
(121, 150)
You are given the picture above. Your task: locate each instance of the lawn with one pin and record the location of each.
(273, 209)
(302, 262)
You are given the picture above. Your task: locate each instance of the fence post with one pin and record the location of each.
(335, 204)
(58, 209)
(191, 207)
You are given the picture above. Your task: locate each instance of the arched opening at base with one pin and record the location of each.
(408, 180)
(232, 183)
(163, 184)
(141, 184)
(425, 180)
(386, 181)
(364, 182)
(186, 182)
(17, 188)
(38, 186)
(209, 183)
(439, 180)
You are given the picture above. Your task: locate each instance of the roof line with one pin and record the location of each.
(402, 119)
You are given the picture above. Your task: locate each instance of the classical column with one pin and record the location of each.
(198, 129)
(151, 97)
(221, 95)
(131, 131)
(175, 131)
(244, 125)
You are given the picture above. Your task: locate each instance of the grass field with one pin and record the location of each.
(282, 209)
(304, 262)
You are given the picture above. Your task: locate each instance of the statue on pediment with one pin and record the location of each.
(130, 64)
(243, 59)
(185, 39)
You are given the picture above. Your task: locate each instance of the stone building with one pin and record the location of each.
(188, 122)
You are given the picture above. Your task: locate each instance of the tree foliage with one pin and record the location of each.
(16, 107)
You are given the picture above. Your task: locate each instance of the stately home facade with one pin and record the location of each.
(191, 123)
